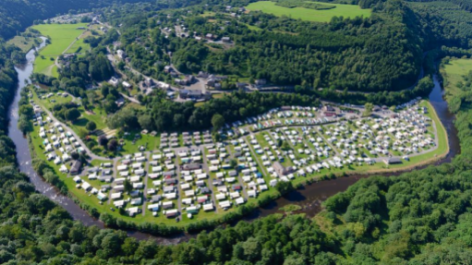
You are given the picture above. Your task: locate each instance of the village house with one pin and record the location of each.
(113, 81)
(192, 166)
(260, 82)
(75, 168)
(126, 85)
(392, 161)
(192, 94)
(168, 69)
(121, 54)
(281, 170)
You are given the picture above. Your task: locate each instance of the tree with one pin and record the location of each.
(110, 106)
(25, 125)
(284, 187)
(105, 90)
(285, 146)
(27, 111)
(145, 121)
(82, 133)
(72, 114)
(75, 155)
(103, 140)
(91, 126)
(368, 107)
(233, 163)
(218, 121)
(112, 145)
(127, 186)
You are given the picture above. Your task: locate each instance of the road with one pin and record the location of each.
(134, 100)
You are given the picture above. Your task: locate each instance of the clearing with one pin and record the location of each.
(453, 72)
(314, 15)
(24, 43)
(61, 36)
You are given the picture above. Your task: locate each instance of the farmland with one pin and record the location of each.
(61, 36)
(314, 15)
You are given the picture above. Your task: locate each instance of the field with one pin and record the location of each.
(24, 43)
(314, 15)
(453, 72)
(61, 35)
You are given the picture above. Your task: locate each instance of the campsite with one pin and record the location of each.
(190, 176)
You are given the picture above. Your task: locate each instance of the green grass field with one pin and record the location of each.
(314, 15)
(23, 43)
(61, 35)
(78, 44)
(453, 72)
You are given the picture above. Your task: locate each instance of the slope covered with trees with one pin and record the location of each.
(19, 14)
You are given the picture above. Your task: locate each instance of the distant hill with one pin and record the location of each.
(16, 15)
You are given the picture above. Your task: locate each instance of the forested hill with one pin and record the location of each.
(16, 15)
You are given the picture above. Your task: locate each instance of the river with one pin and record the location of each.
(309, 197)
(23, 157)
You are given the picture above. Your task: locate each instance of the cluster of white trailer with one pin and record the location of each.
(58, 143)
(211, 177)
(359, 141)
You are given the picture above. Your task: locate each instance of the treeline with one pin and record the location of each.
(8, 80)
(164, 115)
(20, 14)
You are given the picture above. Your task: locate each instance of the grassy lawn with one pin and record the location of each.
(251, 27)
(151, 143)
(79, 44)
(24, 43)
(314, 15)
(61, 35)
(208, 14)
(453, 72)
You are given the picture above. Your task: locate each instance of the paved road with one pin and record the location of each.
(134, 100)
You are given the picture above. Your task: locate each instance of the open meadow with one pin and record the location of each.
(314, 15)
(24, 43)
(453, 72)
(61, 35)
